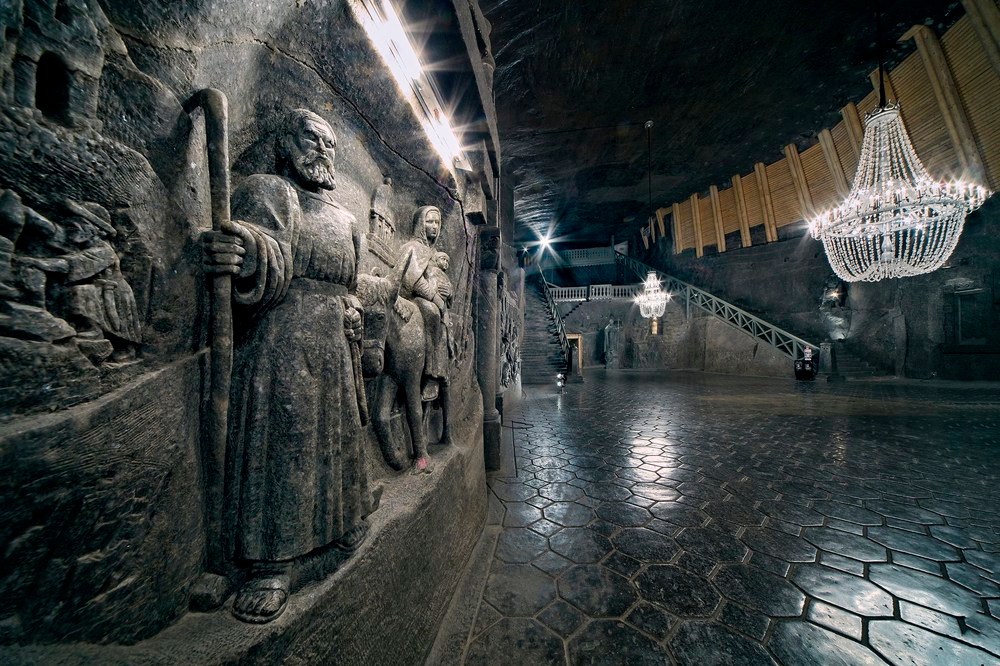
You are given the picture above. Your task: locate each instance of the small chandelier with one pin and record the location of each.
(652, 300)
(896, 221)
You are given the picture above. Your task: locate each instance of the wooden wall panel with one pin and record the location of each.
(842, 140)
(751, 192)
(818, 177)
(922, 117)
(684, 223)
(979, 88)
(707, 219)
(730, 218)
(783, 196)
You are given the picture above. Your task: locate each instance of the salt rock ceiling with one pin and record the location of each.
(727, 83)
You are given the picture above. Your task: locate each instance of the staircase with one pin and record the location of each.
(541, 352)
(853, 366)
(689, 295)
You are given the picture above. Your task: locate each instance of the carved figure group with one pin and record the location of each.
(63, 279)
(295, 479)
(409, 320)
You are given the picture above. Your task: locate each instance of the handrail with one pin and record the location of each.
(593, 256)
(560, 329)
(778, 338)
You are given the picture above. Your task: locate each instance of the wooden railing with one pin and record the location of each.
(778, 338)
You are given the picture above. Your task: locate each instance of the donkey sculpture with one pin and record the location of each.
(394, 351)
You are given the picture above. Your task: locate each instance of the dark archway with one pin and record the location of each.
(52, 87)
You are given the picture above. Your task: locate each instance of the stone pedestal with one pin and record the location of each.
(486, 342)
(828, 362)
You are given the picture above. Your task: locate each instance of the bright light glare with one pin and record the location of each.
(399, 44)
(546, 243)
(440, 134)
(382, 24)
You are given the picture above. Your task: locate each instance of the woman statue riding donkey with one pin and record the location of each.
(416, 348)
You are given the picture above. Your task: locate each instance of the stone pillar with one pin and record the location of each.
(486, 342)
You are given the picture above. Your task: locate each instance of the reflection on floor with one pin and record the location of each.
(700, 519)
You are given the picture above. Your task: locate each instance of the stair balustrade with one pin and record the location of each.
(560, 329)
(778, 338)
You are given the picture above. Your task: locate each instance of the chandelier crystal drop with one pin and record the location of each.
(652, 300)
(896, 220)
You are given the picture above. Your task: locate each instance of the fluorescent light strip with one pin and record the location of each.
(384, 29)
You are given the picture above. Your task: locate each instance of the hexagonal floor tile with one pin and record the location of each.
(612, 643)
(758, 589)
(703, 644)
(712, 543)
(597, 591)
(519, 544)
(581, 545)
(518, 589)
(805, 644)
(645, 545)
(679, 591)
(516, 642)
(569, 514)
(844, 590)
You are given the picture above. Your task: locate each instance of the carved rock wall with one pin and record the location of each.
(102, 498)
(700, 343)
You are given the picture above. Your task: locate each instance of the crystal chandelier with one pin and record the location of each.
(896, 221)
(652, 300)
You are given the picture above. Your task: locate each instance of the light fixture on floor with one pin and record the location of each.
(896, 221)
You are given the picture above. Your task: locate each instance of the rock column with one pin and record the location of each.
(486, 342)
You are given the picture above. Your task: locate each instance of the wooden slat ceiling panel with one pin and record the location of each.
(752, 195)
(687, 229)
(922, 117)
(730, 216)
(845, 153)
(707, 219)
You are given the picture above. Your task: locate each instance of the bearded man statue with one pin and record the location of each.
(295, 478)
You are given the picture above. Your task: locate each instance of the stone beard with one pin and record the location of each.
(317, 168)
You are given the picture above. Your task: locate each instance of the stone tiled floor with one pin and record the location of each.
(699, 519)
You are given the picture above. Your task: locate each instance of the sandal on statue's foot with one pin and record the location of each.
(262, 598)
(352, 538)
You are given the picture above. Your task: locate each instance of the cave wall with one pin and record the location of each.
(910, 326)
(684, 341)
(103, 498)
